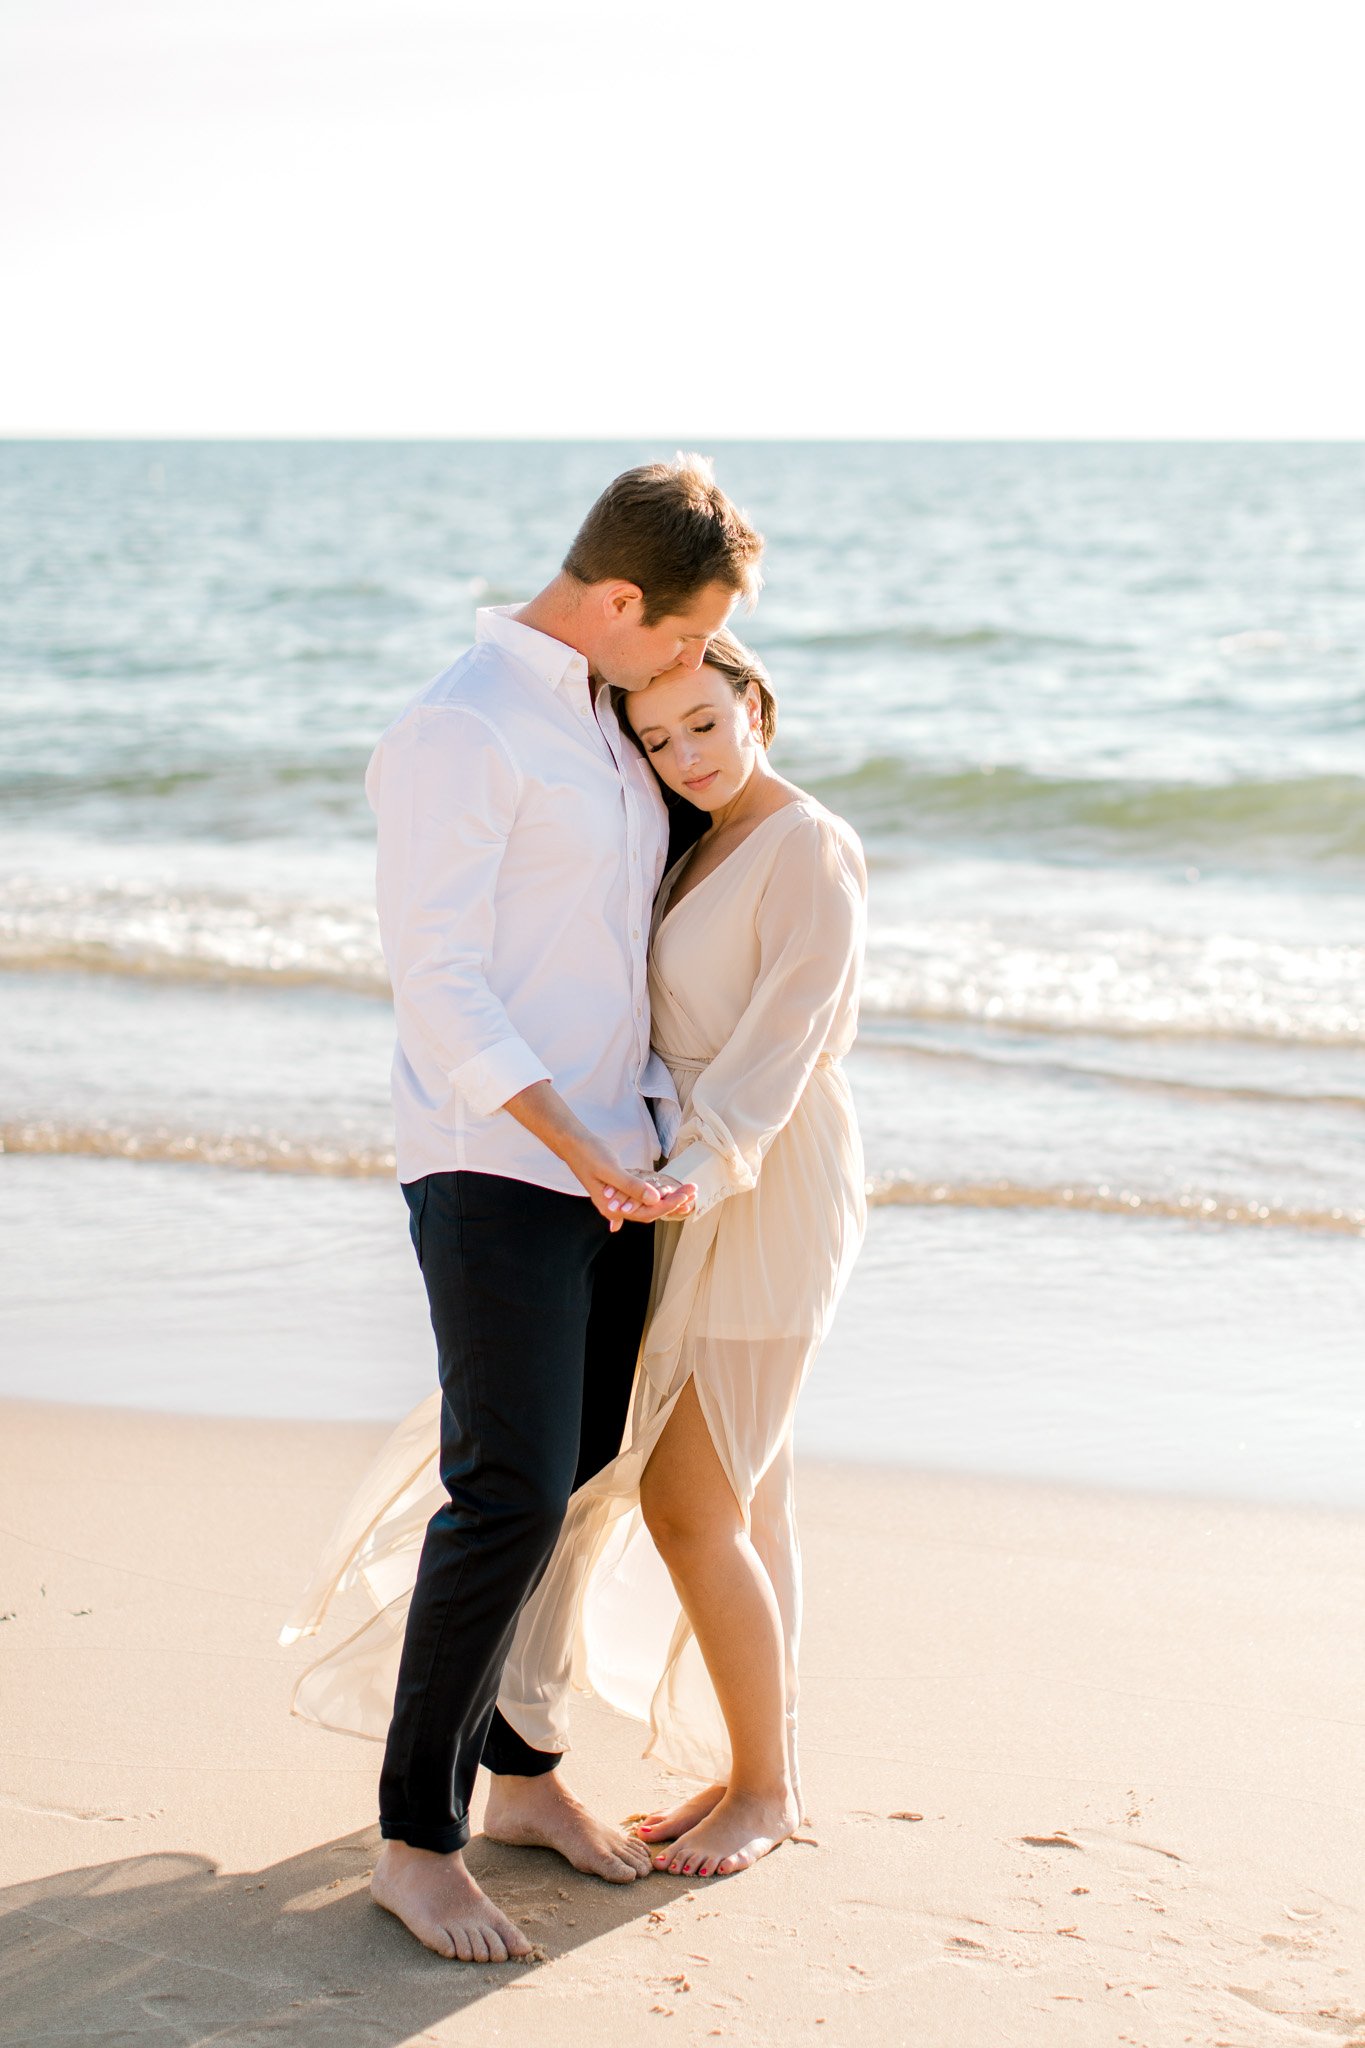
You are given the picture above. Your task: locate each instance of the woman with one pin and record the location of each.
(674, 1590)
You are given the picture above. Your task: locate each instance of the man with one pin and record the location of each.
(521, 840)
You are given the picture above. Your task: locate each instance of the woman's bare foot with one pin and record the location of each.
(541, 1813)
(740, 1828)
(437, 1900)
(666, 1827)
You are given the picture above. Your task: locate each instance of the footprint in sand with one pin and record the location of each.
(1336, 2024)
(1120, 1848)
(1312, 1906)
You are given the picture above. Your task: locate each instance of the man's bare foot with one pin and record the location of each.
(540, 1813)
(666, 1827)
(740, 1828)
(437, 1900)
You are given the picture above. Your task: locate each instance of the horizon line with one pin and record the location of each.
(293, 439)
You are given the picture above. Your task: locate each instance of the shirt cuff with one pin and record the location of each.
(710, 1173)
(492, 1078)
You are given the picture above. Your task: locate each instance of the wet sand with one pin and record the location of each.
(1154, 1355)
(1083, 1768)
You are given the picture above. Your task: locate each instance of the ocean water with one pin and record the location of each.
(1099, 715)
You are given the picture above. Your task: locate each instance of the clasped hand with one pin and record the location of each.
(634, 1197)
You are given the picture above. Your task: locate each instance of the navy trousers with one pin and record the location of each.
(538, 1310)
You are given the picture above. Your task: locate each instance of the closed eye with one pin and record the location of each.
(697, 731)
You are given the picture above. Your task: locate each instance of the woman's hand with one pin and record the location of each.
(624, 1197)
(675, 1198)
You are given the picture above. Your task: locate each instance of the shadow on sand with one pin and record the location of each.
(165, 1947)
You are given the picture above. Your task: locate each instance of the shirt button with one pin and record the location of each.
(635, 935)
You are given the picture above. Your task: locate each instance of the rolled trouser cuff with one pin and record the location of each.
(509, 1755)
(442, 1841)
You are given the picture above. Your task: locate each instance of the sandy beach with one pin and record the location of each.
(1083, 1768)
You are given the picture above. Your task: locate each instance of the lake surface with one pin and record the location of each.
(1098, 713)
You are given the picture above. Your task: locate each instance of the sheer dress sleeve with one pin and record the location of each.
(811, 923)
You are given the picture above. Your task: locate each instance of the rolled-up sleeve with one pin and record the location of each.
(444, 789)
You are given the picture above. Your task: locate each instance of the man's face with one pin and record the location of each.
(632, 654)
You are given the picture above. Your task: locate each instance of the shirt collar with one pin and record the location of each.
(551, 660)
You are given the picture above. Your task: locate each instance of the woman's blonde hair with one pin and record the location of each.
(726, 651)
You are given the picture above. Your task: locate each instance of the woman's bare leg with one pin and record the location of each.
(696, 1522)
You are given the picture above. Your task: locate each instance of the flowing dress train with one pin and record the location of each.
(753, 988)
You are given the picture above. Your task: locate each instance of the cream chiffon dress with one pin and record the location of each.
(753, 987)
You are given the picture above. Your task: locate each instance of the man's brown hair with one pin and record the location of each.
(669, 528)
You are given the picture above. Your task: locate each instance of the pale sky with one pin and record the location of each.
(705, 219)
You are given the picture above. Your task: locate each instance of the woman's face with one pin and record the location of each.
(699, 733)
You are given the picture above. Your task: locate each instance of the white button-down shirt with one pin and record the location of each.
(522, 838)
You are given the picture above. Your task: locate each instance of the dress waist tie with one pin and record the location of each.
(676, 1059)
